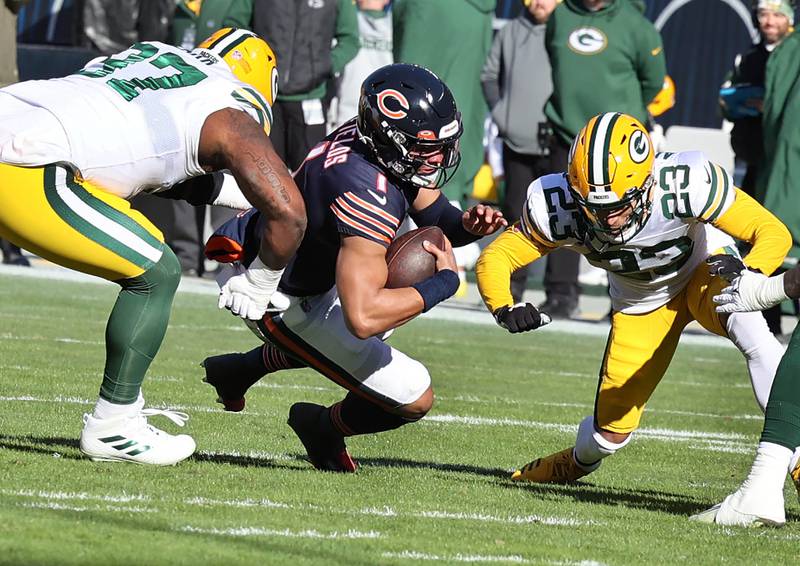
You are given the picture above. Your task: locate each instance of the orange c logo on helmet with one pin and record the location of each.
(401, 100)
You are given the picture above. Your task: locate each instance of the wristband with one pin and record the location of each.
(772, 292)
(263, 277)
(229, 194)
(437, 288)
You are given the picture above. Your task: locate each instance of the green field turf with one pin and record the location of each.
(433, 492)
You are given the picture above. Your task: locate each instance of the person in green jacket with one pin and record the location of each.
(451, 38)
(605, 56)
(196, 20)
(776, 184)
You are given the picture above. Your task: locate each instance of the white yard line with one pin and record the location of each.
(260, 532)
(56, 499)
(482, 558)
(390, 512)
(75, 496)
(79, 509)
(428, 557)
(516, 520)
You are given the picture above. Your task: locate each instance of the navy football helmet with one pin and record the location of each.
(408, 116)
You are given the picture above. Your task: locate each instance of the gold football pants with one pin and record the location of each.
(45, 210)
(640, 348)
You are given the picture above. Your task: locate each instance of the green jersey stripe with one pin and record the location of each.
(532, 230)
(84, 227)
(259, 111)
(725, 187)
(712, 193)
(261, 100)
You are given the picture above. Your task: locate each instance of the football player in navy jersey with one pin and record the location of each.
(358, 185)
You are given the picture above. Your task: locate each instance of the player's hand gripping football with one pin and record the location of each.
(483, 220)
(521, 317)
(247, 293)
(444, 257)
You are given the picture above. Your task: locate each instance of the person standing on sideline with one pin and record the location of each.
(605, 56)
(742, 102)
(516, 84)
(452, 38)
(301, 33)
(375, 51)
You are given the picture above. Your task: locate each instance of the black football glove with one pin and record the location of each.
(727, 266)
(521, 317)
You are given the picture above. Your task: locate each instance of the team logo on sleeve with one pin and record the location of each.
(587, 41)
(400, 101)
(638, 146)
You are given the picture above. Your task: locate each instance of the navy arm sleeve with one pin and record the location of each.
(447, 217)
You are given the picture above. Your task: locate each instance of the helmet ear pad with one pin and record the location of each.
(249, 58)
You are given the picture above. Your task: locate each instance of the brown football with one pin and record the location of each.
(407, 260)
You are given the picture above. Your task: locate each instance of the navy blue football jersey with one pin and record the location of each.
(346, 192)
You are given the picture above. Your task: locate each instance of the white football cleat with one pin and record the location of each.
(131, 439)
(742, 509)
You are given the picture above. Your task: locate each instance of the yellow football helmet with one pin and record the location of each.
(610, 169)
(249, 57)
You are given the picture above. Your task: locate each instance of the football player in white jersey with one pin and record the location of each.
(650, 221)
(74, 150)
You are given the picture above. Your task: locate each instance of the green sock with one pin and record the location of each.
(136, 327)
(782, 417)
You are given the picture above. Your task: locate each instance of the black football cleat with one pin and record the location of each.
(326, 450)
(220, 372)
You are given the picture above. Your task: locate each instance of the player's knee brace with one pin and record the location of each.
(591, 447)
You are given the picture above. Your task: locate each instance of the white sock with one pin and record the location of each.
(107, 410)
(761, 350)
(768, 471)
(591, 447)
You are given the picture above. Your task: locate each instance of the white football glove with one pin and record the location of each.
(751, 291)
(248, 292)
